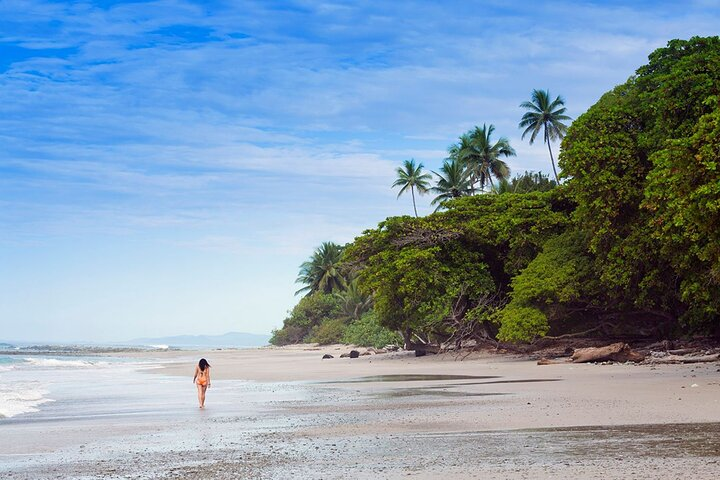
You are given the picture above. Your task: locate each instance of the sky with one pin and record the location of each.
(166, 166)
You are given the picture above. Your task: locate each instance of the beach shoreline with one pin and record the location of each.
(274, 412)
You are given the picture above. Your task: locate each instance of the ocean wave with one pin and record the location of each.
(21, 398)
(57, 363)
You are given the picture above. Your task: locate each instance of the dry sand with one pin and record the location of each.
(396, 416)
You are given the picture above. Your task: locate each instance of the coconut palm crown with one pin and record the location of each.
(547, 116)
(452, 183)
(321, 273)
(412, 176)
(486, 162)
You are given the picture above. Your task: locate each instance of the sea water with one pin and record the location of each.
(30, 384)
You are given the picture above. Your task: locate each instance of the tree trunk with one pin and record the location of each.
(412, 191)
(552, 160)
(407, 338)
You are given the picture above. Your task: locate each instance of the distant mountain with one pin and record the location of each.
(231, 339)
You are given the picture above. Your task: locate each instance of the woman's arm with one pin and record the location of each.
(196, 373)
(208, 375)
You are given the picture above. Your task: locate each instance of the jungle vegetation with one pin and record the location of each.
(625, 240)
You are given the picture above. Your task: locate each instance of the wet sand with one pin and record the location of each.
(280, 413)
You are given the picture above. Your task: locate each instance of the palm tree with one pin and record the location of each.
(410, 175)
(486, 163)
(546, 115)
(465, 154)
(455, 182)
(353, 301)
(322, 273)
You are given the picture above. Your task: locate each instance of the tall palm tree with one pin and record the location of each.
(412, 176)
(322, 273)
(454, 182)
(486, 162)
(546, 115)
(464, 153)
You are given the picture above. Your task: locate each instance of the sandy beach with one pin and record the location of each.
(281, 412)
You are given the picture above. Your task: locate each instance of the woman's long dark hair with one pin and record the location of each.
(203, 364)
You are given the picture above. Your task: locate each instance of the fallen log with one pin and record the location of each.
(616, 352)
(686, 359)
(552, 361)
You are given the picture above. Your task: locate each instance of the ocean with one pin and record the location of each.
(54, 384)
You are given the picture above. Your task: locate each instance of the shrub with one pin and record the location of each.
(367, 332)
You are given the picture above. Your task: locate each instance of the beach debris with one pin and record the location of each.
(354, 354)
(685, 359)
(391, 348)
(552, 361)
(617, 352)
(326, 356)
(345, 355)
(365, 353)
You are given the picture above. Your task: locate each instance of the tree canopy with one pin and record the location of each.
(630, 240)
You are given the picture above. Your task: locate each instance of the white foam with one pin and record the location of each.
(21, 398)
(57, 363)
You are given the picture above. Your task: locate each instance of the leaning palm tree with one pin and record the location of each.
(546, 115)
(486, 163)
(452, 183)
(412, 176)
(322, 272)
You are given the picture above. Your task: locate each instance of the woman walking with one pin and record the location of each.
(202, 380)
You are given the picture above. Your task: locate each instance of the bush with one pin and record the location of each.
(309, 313)
(522, 324)
(367, 332)
(329, 331)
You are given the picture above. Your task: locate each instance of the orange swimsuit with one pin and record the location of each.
(202, 379)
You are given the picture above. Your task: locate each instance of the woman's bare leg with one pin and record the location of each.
(201, 395)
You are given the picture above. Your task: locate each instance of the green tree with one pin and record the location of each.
(305, 318)
(322, 272)
(683, 195)
(453, 182)
(412, 176)
(354, 301)
(526, 183)
(367, 332)
(547, 116)
(426, 275)
(485, 162)
(642, 168)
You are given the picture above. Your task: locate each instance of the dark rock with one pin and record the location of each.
(420, 353)
(354, 354)
(327, 355)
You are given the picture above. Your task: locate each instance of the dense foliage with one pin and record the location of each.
(642, 164)
(630, 240)
(428, 274)
(367, 332)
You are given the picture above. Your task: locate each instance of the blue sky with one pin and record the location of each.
(166, 166)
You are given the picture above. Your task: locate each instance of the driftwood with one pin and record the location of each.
(684, 351)
(551, 361)
(617, 352)
(686, 359)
